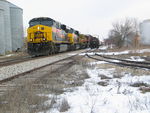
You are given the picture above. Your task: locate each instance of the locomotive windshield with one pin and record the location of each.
(71, 30)
(41, 21)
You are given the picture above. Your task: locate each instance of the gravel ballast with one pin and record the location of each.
(19, 68)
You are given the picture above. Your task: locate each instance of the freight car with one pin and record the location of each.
(47, 36)
(83, 41)
(93, 42)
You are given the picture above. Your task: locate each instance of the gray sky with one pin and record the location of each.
(88, 16)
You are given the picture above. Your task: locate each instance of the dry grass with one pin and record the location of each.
(64, 106)
(115, 49)
(118, 74)
(139, 84)
(120, 71)
(144, 46)
(145, 89)
(30, 97)
(22, 99)
(132, 53)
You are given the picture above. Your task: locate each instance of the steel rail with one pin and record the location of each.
(120, 63)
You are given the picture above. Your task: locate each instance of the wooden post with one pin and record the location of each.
(136, 41)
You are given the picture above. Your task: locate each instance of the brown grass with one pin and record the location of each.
(139, 84)
(30, 97)
(145, 89)
(22, 99)
(64, 106)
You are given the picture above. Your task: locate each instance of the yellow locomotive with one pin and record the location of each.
(47, 36)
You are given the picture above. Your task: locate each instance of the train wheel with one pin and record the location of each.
(57, 48)
(51, 48)
(69, 48)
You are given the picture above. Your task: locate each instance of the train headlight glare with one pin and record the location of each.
(44, 39)
(38, 28)
(31, 40)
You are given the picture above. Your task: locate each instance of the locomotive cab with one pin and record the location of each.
(39, 35)
(39, 30)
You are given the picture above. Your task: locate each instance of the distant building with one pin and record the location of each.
(108, 41)
(145, 32)
(11, 27)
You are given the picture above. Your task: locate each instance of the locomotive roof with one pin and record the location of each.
(41, 19)
(50, 19)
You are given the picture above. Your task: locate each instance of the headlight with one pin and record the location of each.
(44, 39)
(31, 40)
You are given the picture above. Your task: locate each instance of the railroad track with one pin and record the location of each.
(15, 60)
(22, 59)
(11, 82)
(120, 62)
(34, 87)
(27, 58)
(34, 77)
(34, 69)
(128, 61)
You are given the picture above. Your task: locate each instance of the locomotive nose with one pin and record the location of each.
(38, 34)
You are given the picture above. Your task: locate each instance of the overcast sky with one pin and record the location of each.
(88, 16)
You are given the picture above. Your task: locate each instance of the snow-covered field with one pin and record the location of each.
(109, 94)
(103, 92)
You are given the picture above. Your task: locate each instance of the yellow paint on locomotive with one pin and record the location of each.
(39, 33)
(71, 38)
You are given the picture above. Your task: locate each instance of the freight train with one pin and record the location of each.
(46, 36)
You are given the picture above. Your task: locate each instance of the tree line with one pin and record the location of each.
(124, 32)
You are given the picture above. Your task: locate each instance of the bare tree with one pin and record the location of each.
(124, 31)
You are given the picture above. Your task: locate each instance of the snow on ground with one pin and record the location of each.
(117, 96)
(143, 50)
(136, 58)
(90, 53)
(132, 58)
(110, 95)
(98, 62)
(9, 55)
(117, 53)
(103, 48)
(114, 53)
